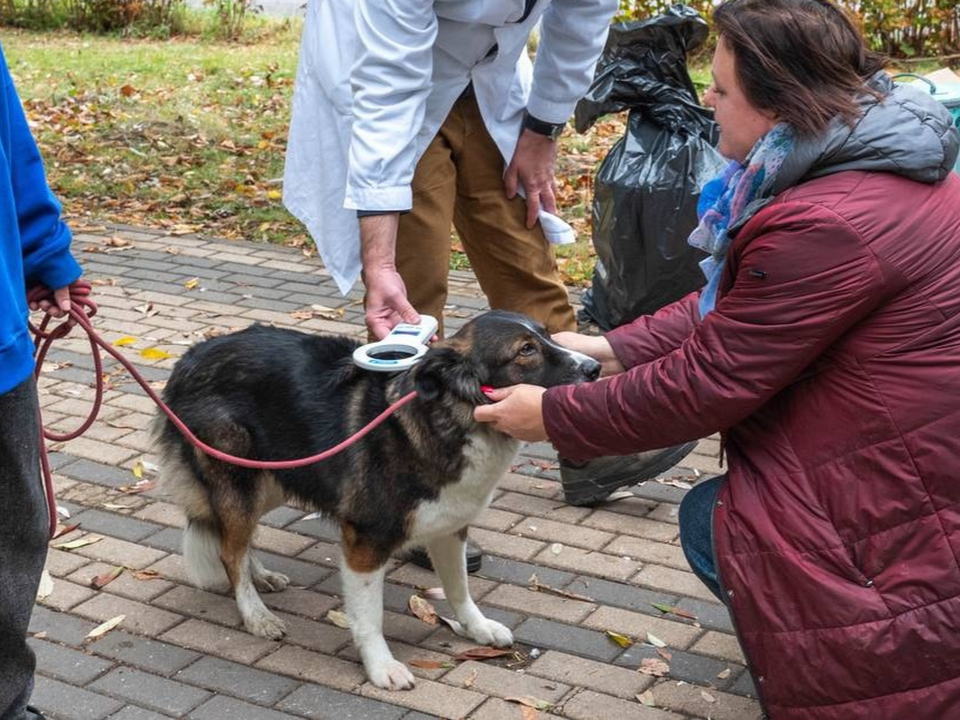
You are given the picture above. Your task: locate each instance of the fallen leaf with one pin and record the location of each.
(146, 574)
(124, 341)
(79, 542)
(106, 578)
(655, 641)
(191, 283)
(45, 587)
(538, 586)
(40, 635)
(621, 640)
(528, 713)
(339, 619)
(707, 696)
(646, 698)
(104, 628)
(664, 654)
(139, 487)
(654, 667)
(138, 470)
(64, 530)
(673, 610)
(422, 609)
(153, 353)
(117, 242)
(482, 653)
(128, 91)
(724, 674)
(530, 701)
(429, 664)
(470, 679)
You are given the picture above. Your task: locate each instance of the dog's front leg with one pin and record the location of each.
(363, 597)
(449, 560)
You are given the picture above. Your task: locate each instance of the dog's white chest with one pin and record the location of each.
(487, 457)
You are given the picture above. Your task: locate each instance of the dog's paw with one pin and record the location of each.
(391, 675)
(265, 625)
(490, 632)
(269, 581)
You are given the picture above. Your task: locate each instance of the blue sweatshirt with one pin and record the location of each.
(34, 243)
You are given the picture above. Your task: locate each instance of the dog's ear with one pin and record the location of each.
(446, 370)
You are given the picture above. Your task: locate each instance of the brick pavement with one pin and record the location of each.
(181, 652)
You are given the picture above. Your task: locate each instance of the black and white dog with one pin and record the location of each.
(419, 479)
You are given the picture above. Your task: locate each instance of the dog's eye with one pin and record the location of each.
(528, 349)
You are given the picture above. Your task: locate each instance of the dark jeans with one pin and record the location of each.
(23, 543)
(696, 531)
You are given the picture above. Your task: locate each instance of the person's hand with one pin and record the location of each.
(60, 306)
(532, 166)
(387, 304)
(516, 410)
(596, 346)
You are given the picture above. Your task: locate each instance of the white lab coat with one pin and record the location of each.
(366, 65)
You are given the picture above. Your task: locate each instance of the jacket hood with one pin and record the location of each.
(905, 132)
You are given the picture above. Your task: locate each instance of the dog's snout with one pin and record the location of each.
(590, 369)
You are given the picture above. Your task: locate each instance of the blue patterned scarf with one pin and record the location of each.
(723, 200)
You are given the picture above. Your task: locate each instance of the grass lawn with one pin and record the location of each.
(189, 134)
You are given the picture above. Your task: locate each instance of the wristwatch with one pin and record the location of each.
(542, 127)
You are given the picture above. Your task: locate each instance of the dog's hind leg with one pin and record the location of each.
(201, 555)
(361, 577)
(238, 562)
(266, 580)
(449, 560)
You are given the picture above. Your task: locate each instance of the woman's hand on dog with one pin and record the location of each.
(516, 410)
(595, 346)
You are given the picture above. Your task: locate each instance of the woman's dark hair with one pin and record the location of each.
(802, 59)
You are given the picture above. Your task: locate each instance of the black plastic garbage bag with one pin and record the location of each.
(646, 190)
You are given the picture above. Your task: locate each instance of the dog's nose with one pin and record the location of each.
(590, 369)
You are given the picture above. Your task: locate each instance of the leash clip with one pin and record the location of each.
(401, 349)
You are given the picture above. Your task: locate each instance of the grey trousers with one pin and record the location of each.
(23, 543)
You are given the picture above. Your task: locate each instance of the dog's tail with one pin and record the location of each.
(201, 555)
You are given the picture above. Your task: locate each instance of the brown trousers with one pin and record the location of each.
(459, 182)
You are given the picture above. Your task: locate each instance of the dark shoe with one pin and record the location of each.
(590, 483)
(419, 556)
(34, 714)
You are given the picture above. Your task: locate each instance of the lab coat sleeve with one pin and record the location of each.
(391, 79)
(572, 36)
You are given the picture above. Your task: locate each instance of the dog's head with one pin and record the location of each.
(499, 349)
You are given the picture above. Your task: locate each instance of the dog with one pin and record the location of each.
(418, 479)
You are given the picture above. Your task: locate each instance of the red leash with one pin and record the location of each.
(82, 308)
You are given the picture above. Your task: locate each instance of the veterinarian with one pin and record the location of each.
(34, 250)
(410, 116)
(825, 348)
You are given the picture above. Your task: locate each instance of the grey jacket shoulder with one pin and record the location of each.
(905, 132)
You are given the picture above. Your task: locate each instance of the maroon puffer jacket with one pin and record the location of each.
(832, 365)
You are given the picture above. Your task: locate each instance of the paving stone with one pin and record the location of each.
(132, 712)
(541, 633)
(711, 615)
(405, 653)
(689, 700)
(282, 517)
(430, 697)
(519, 573)
(539, 603)
(223, 707)
(126, 584)
(506, 545)
(313, 667)
(630, 597)
(281, 542)
(589, 705)
(685, 666)
(140, 618)
(322, 703)
(58, 699)
(115, 525)
(61, 563)
(211, 607)
(597, 676)
(314, 635)
(637, 625)
(589, 561)
(410, 574)
(648, 551)
(500, 682)
(497, 709)
(224, 642)
(550, 509)
(744, 686)
(151, 655)
(120, 552)
(94, 449)
(720, 645)
(237, 680)
(619, 524)
(98, 473)
(59, 627)
(64, 663)
(557, 532)
(540, 487)
(496, 520)
(300, 601)
(665, 512)
(299, 572)
(162, 513)
(679, 582)
(169, 540)
(66, 595)
(151, 691)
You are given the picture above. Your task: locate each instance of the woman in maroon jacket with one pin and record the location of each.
(825, 348)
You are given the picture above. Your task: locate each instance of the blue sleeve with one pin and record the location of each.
(45, 239)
